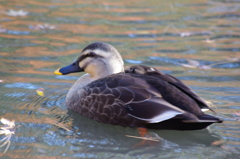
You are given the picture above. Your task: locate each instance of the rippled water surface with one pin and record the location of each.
(46, 35)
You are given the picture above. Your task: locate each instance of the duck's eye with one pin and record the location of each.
(91, 54)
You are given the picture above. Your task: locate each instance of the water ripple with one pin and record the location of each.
(145, 32)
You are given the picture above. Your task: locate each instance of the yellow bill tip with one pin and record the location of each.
(57, 72)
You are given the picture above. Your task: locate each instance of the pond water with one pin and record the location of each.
(39, 36)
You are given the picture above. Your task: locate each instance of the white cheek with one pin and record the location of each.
(84, 63)
(81, 65)
(90, 66)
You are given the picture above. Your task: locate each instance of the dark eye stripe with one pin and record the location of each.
(81, 58)
(91, 54)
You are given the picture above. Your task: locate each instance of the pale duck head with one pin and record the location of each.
(98, 60)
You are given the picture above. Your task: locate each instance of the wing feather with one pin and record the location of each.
(153, 110)
(145, 70)
(130, 98)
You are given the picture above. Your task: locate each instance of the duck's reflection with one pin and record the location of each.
(106, 135)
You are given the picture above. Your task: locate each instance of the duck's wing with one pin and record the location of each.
(179, 84)
(120, 96)
(150, 71)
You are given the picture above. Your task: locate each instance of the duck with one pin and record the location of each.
(136, 96)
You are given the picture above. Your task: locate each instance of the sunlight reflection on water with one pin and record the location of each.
(162, 35)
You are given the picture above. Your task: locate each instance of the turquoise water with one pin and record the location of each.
(47, 35)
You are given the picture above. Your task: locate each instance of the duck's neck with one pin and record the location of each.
(78, 85)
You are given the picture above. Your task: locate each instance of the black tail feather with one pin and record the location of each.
(209, 118)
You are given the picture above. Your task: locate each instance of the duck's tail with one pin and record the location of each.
(188, 122)
(210, 118)
(205, 118)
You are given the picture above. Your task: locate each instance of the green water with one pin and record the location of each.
(163, 34)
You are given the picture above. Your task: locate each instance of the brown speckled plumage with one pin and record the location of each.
(141, 96)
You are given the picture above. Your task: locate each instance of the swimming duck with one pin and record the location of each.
(139, 96)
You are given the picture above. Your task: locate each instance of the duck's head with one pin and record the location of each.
(98, 59)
